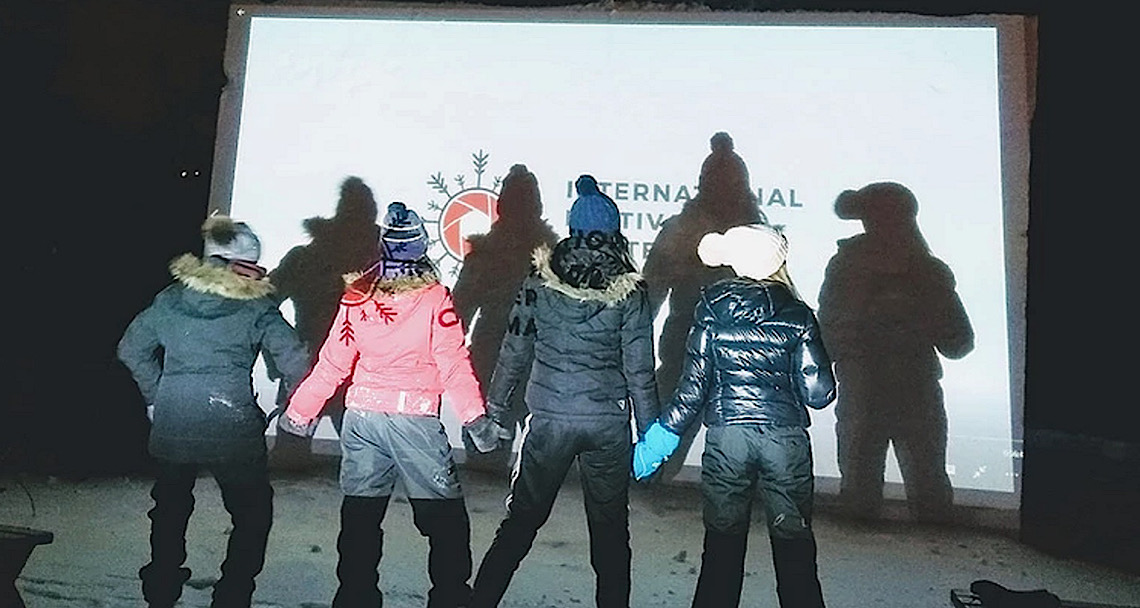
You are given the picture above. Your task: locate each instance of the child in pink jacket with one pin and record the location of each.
(399, 338)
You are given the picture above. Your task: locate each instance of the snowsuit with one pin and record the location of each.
(191, 353)
(753, 361)
(402, 343)
(581, 326)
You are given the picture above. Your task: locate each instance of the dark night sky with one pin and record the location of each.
(108, 101)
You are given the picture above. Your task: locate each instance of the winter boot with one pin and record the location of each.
(797, 581)
(722, 570)
(162, 588)
(251, 511)
(448, 530)
(359, 546)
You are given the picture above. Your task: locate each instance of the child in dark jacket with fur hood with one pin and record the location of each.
(581, 326)
(192, 352)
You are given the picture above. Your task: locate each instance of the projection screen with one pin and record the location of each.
(431, 105)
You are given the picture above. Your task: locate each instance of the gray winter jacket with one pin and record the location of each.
(581, 325)
(754, 355)
(191, 353)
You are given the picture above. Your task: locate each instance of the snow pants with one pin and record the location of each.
(602, 448)
(379, 451)
(736, 459)
(247, 497)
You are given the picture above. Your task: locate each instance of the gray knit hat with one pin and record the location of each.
(230, 240)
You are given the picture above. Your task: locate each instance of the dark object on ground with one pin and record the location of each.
(16, 545)
(988, 594)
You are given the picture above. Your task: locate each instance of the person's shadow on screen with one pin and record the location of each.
(311, 276)
(492, 272)
(887, 308)
(673, 273)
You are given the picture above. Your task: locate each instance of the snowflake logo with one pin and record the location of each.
(470, 210)
(386, 313)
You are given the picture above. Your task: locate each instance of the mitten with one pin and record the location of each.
(653, 450)
(502, 419)
(288, 425)
(485, 433)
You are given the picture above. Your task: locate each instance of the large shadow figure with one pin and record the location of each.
(488, 282)
(887, 308)
(311, 276)
(673, 271)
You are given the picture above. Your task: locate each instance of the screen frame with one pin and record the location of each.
(1016, 35)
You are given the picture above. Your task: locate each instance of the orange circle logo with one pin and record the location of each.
(469, 212)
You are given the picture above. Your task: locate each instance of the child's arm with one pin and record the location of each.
(334, 364)
(140, 351)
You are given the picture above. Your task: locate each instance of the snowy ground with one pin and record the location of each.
(100, 529)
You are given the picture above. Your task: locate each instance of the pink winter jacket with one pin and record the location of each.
(403, 345)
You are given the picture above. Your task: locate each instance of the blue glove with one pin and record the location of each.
(653, 450)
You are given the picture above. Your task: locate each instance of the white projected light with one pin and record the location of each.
(432, 106)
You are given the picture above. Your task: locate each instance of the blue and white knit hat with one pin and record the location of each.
(403, 243)
(402, 234)
(593, 211)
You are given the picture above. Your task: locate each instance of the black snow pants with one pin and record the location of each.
(247, 497)
(550, 446)
(736, 458)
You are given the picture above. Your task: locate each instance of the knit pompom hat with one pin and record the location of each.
(402, 234)
(403, 243)
(229, 240)
(593, 211)
(755, 251)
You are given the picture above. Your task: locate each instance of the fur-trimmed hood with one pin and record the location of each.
(360, 286)
(618, 288)
(204, 277)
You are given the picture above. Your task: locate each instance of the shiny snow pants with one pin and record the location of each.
(602, 448)
(735, 460)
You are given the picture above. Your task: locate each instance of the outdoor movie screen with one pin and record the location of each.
(432, 106)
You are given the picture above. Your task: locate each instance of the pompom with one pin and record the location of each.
(586, 184)
(219, 229)
(230, 240)
(848, 205)
(721, 142)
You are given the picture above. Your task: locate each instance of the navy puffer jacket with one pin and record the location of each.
(581, 325)
(754, 356)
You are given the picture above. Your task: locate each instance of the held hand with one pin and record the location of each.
(501, 417)
(485, 434)
(292, 427)
(653, 450)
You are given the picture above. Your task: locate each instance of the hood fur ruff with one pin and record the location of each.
(199, 276)
(619, 288)
(388, 287)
